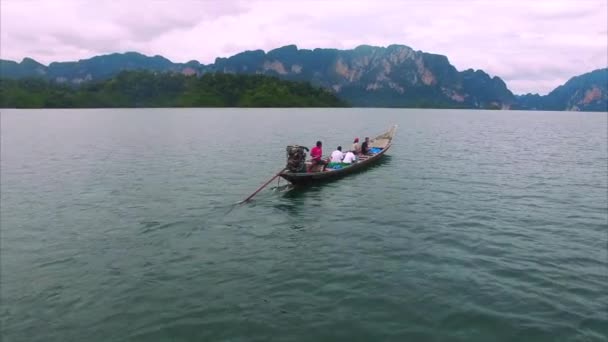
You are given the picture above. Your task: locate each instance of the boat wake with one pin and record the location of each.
(282, 188)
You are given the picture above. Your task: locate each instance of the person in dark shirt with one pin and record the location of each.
(365, 146)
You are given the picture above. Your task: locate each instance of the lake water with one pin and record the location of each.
(118, 225)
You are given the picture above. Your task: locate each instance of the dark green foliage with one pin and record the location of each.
(285, 53)
(27, 68)
(418, 97)
(101, 67)
(529, 102)
(245, 62)
(444, 72)
(576, 94)
(147, 89)
(486, 92)
(369, 76)
(95, 68)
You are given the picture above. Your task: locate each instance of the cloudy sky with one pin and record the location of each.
(533, 45)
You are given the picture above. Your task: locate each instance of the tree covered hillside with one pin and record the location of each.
(148, 89)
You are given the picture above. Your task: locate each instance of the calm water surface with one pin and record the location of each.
(116, 225)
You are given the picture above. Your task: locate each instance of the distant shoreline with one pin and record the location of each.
(145, 89)
(395, 76)
(142, 89)
(333, 108)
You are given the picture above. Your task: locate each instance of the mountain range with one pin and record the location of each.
(366, 76)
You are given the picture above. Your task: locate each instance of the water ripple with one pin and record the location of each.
(481, 226)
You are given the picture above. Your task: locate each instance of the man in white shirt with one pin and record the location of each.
(337, 155)
(349, 158)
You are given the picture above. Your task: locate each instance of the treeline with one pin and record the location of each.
(148, 89)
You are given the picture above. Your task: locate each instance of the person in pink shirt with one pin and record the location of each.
(316, 154)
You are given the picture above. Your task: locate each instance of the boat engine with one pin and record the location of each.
(296, 158)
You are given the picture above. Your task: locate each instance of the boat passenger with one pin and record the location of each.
(365, 146)
(356, 146)
(316, 153)
(337, 155)
(349, 158)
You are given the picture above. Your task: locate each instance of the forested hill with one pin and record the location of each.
(149, 89)
(587, 92)
(366, 76)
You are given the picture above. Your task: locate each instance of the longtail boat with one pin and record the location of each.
(301, 174)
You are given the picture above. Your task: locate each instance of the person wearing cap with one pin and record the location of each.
(356, 146)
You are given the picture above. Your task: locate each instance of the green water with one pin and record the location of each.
(116, 225)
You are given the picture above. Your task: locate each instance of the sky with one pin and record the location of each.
(533, 45)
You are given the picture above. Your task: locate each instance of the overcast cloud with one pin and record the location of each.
(533, 46)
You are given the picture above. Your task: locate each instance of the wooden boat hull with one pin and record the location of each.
(303, 178)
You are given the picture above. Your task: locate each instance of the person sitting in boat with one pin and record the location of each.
(316, 154)
(349, 158)
(337, 155)
(365, 146)
(356, 146)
